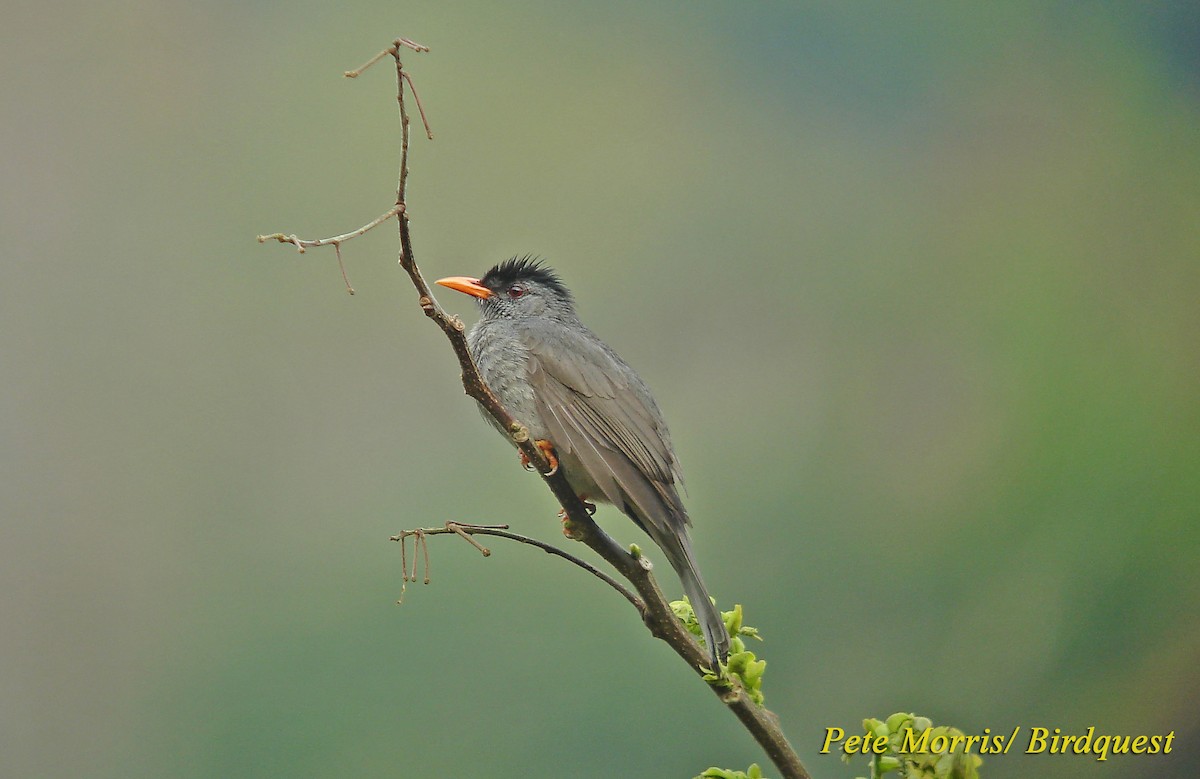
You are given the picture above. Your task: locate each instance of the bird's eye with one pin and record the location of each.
(516, 291)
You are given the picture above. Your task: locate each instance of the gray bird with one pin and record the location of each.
(587, 409)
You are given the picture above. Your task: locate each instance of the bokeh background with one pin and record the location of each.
(916, 285)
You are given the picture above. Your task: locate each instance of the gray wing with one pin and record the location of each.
(597, 409)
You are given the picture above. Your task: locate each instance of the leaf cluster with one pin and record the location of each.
(905, 728)
(753, 772)
(742, 663)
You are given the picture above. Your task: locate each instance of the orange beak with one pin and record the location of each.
(466, 284)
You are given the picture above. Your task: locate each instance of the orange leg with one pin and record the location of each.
(547, 450)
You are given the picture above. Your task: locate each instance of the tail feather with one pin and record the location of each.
(679, 553)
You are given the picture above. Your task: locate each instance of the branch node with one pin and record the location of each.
(519, 432)
(459, 530)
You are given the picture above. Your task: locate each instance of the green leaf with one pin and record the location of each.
(753, 772)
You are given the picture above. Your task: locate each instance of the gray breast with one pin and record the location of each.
(503, 359)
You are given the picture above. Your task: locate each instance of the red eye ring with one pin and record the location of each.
(516, 291)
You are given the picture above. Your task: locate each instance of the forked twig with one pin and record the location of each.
(393, 50)
(336, 241)
(302, 245)
(465, 531)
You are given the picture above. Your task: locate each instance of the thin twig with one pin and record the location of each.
(403, 539)
(402, 178)
(413, 88)
(389, 50)
(501, 531)
(303, 245)
(466, 537)
(417, 47)
(337, 249)
(359, 70)
(424, 539)
(336, 241)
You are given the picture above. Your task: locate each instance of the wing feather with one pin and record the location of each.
(598, 410)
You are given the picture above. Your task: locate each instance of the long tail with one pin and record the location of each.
(678, 549)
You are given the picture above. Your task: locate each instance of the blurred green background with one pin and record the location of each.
(916, 286)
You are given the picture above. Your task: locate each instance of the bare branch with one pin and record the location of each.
(466, 537)
(302, 245)
(402, 178)
(392, 50)
(417, 47)
(413, 88)
(337, 249)
(501, 531)
(359, 70)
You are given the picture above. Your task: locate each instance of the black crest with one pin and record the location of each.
(528, 269)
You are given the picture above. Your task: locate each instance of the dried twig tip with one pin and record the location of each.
(358, 71)
(457, 528)
(413, 88)
(411, 44)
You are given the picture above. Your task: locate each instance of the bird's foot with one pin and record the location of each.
(568, 530)
(590, 507)
(548, 451)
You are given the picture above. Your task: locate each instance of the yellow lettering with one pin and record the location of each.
(1083, 744)
(1139, 745)
(913, 744)
(879, 745)
(1167, 747)
(1100, 748)
(851, 745)
(1037, 741)
(1155, 745)
(832, 735)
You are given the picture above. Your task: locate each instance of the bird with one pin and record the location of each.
(587, 410)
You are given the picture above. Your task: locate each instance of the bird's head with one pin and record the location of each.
(521, 287)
